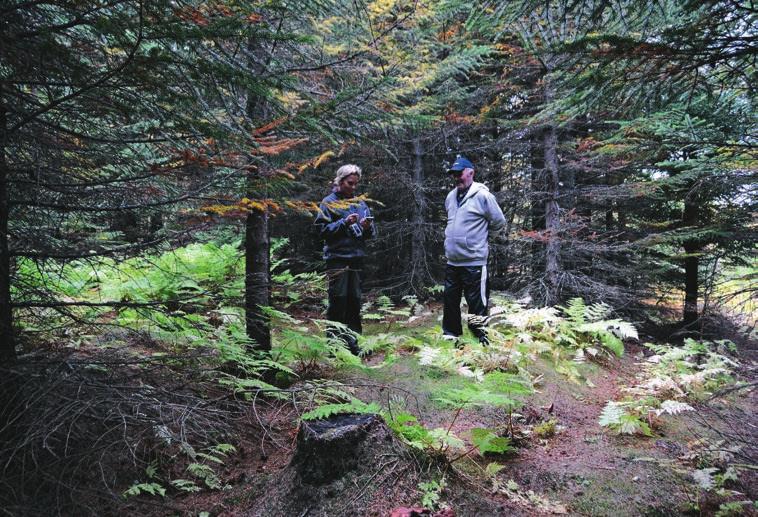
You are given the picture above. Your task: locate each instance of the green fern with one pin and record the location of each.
(185, 485)
(206, 473)
(445, 439)
(475, 395)
(611, 342)
(147, 488)
(486, 441)
(575, 311)
(616, 417)
(431, 493)
(408, 428)
(355, 406)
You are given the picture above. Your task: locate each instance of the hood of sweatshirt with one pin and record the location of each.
(468, 225)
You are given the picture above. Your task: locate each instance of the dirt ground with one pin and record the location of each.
(581, 470)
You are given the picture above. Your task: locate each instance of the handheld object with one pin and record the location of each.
(356, 230)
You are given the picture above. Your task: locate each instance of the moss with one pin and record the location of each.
(617, 493)
(546, 429)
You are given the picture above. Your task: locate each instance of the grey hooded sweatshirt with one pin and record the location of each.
(468, 224)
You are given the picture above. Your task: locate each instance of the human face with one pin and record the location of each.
(463, 179)
(349, 184)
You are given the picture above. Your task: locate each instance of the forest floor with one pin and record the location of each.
(580, 469)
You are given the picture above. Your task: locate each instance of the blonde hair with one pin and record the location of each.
(345, 171)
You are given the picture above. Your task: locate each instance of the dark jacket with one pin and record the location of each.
(339, 242)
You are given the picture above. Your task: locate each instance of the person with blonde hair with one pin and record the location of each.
(345, 223)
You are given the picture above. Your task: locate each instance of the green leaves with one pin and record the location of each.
(145, 488)
(431, 493)
(486, 441)
(408, 428)
(354, 406)
(614, 416)
(611, 414)
(669, 378)
(415, 434)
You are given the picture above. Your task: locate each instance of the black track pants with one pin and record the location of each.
(345, 278)
(471, 281)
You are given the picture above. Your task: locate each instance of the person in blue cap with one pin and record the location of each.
(472, 213)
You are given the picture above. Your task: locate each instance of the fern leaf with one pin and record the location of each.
(328, 410)
(630, 424)
(704, 477)
(611, 414)
(623, 329)
(612, 343)
(575, 311)
(445, 437)
(673, 407)
(493, 468)
(597, 312)
(487, 441)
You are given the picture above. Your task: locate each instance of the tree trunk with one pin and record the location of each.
(7, 337)
(419, 272)
(257, 238)
(691, 264)
(537, 203)
(552, 217)
(257, 278)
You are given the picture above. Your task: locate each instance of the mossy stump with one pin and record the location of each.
(330, 448)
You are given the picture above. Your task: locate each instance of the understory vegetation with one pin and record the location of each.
(164, 342)
(156, 398)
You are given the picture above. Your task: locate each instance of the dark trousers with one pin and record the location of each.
(345, 279)
(471, 281)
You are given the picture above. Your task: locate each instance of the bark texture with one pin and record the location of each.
(7, 337)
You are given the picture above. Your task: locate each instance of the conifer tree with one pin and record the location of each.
(676, 81)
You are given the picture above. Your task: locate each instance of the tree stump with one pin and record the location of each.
(328, 449)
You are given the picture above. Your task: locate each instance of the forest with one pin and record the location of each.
(168, 338)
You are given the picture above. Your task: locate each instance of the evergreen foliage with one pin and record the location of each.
(160, 163)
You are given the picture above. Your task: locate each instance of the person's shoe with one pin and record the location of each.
(449, 337)
(352, 345)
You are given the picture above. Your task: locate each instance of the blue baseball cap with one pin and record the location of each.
(461, 162)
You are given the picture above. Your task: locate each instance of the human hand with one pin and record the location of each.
(352, 218)
(366, 222)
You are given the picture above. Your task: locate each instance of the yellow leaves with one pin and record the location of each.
(260, 205)
(307, 207)
(344, 204)
(243, 207)
(222, 210)
(291, 100)
(380, 8)
(316, 162)
(323, 157)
